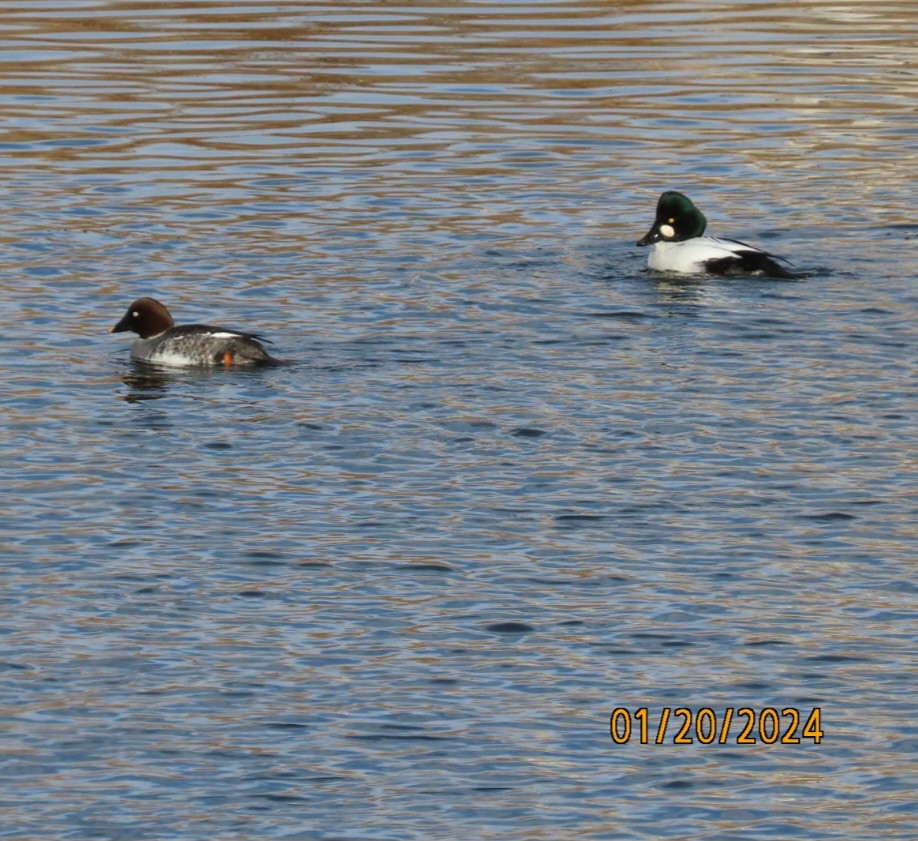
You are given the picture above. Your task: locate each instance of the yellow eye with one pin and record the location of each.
(671, 220)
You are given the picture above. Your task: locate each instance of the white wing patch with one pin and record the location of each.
(734, 247)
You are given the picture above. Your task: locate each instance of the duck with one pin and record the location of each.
(161, 342)
(679, 245)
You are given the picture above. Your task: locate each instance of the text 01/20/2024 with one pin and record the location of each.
(703, 726)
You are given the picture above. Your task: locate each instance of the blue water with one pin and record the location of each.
(510, 480)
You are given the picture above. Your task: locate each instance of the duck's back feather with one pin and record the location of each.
(717, 256)
(747, 260)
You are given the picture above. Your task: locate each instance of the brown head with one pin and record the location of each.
(146, 317)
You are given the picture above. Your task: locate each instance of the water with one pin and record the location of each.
(510, 480)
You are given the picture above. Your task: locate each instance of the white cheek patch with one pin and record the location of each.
(667, 231)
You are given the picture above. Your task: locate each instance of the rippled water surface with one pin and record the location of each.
(510, 480)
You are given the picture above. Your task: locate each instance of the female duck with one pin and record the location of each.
(679, 245)
(162, 343)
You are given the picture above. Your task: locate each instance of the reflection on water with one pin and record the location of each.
(151, 382)
(145, 384)
(511, 480)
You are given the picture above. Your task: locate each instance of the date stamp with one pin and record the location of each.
(742, 726)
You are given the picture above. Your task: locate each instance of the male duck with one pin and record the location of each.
(162, 343)
(679, 245)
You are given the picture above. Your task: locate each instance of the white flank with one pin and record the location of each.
(176, 360)
(690, 256)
